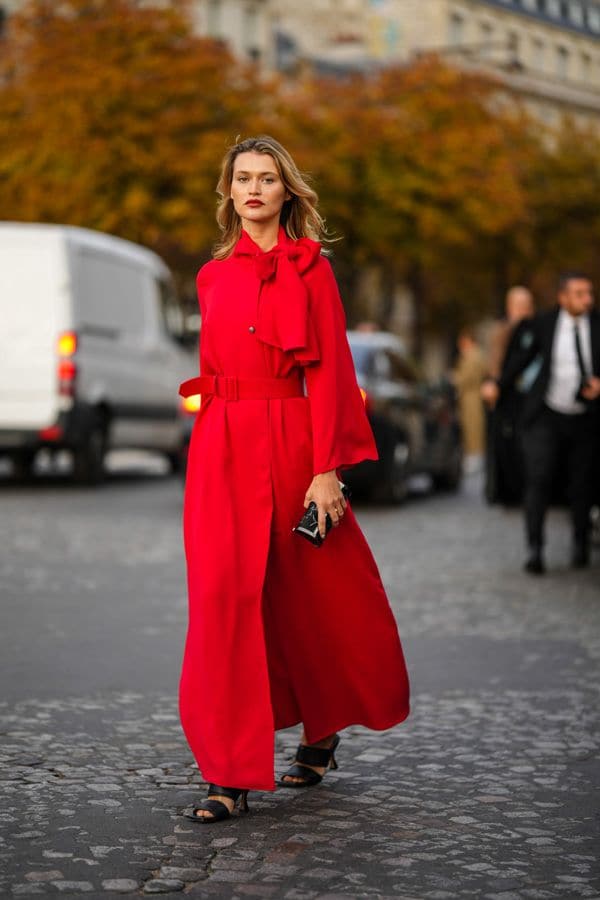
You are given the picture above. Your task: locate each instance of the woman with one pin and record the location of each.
(468, 377)
(280, 632)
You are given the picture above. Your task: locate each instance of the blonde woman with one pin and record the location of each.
(280, 632)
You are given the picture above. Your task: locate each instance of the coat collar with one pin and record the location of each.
(304, 253)
(283, 313)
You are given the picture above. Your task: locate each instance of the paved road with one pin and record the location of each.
(490, 790)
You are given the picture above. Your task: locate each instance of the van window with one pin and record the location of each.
(362, 356)
(403, 368)
(382, 364)
(171, 312)
(111, 294)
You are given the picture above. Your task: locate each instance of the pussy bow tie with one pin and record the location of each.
(283, 311)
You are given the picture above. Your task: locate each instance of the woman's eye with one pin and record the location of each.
(242, 178)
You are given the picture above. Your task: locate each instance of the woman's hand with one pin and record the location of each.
(489, 392)
(325, 490)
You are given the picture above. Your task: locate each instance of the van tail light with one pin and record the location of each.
(53, 433)
(366, 400)
(191, 404)
(66, 367)
(67, 343)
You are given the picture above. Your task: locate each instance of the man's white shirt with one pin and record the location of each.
(565, 374)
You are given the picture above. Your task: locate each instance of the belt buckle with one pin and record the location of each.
(230, 387)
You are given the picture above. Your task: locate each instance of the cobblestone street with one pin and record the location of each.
(489, 790)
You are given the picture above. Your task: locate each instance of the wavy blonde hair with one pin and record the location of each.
(299, 215)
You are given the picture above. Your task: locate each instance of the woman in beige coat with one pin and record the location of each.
(468, 375)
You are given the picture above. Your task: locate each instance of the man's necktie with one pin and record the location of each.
(580, 361)
(578, 351)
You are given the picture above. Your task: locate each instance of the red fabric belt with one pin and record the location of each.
(230, 387)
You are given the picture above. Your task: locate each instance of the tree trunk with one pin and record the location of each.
(416, 282)
(388, 295)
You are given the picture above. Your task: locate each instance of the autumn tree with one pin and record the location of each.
(562, 185)
(114, 116)
(416, 171)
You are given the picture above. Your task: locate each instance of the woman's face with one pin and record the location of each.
(257, 191)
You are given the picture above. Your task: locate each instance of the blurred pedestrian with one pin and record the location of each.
(367, 326)
(560, 412)
(504, 458)
(467, 377)
(519, 305)
(279, 632)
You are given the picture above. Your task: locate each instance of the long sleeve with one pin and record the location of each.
(499, 340)
(203, 279)
(341, 432)
(522, 349)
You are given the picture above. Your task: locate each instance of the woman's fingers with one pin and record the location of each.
(334, 507)
(321, 520)
(335, 513)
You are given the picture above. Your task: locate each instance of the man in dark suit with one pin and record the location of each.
(561, 411)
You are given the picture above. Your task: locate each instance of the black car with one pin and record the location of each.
(415, 423)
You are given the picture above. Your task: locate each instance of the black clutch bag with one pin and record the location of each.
(308, 526)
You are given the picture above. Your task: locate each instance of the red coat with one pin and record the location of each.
(280, 632)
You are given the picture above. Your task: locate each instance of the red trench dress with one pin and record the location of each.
(280, 632)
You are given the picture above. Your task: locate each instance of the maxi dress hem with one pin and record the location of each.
(312, 739)
(316, 737)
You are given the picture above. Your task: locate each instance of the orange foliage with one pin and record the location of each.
(114, 115)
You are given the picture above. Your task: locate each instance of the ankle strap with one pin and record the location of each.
(217, 790)
(313, 756)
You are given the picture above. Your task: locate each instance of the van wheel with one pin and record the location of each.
(88, 457)
(451, 478)
(396, 483)
(22, 465)
(175, 462)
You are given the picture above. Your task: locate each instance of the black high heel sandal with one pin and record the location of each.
(310, 756)
(217, 809)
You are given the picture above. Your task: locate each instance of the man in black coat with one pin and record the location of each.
(561, 411)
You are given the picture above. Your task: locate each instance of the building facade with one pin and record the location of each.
(545, 51)
(245, 25)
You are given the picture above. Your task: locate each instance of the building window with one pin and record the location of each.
(537, 54)
(553, 8)
(457, 29)
(586, 68)
(576, 12)
(486, 37)
(513, 44)
(593, 19)
(213, 18)
(562, 62)
(250, 30)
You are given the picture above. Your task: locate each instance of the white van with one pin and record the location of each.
(89, 356)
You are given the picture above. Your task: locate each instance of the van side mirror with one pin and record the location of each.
(188, 339)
